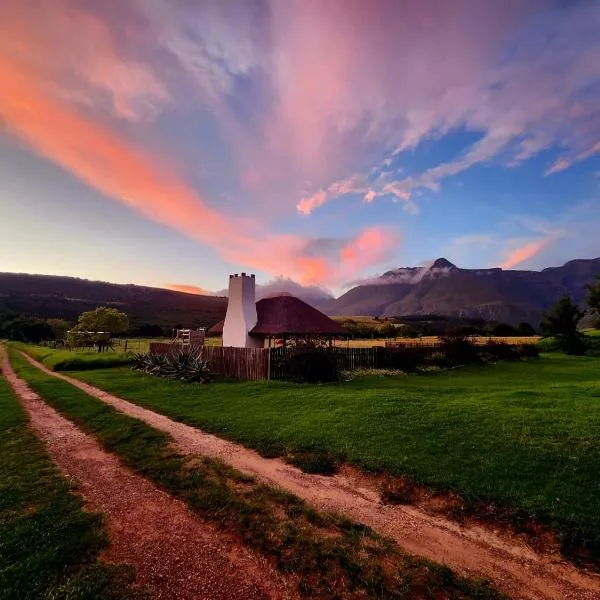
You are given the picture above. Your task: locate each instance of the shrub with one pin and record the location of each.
(185, 364)
(572, 343)
(528, 350)
(405, 358)
(310, 365)
(501, 350)
(459, 350)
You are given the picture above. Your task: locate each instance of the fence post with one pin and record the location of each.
(269, 364)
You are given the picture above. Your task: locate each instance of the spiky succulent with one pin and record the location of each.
(185, 364)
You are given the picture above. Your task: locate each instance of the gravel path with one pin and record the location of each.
(176, 556)
(511, 565)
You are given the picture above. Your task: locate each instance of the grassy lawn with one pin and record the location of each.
(330, 555)
(69, 360)
(524, 435)
(48, 544)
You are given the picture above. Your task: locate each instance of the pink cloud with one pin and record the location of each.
(187, 289)
(335, 80)
(525, 252)
(95, 153)
(418, 71)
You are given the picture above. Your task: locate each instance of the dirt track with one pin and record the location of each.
(513, 567)
(176, 556)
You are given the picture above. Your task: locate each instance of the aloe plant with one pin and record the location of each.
(185, 364)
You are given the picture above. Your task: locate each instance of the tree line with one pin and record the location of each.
(562, 320)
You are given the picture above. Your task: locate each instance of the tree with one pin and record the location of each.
(503, 330)
(561, 319)
(59, 328)
(28, 329)
(526, 329)
(593, 299)
(108, 320)
(388, 331)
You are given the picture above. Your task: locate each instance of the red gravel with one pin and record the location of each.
(176, 555)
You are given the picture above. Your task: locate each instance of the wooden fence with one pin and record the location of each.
(250, 364)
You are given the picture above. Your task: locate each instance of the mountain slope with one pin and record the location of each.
(444, 289)
(67, 297)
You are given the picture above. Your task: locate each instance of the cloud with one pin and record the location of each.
(528, 85)
(80, 59)
(92, 150)
(289, 92)
(523, 253)
(285, 285)
(187, 289)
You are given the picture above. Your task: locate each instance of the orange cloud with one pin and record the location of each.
(58, 123)
(525, 252)
(91, 151)
(187, 289)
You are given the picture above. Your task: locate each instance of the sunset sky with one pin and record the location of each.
(171, 142)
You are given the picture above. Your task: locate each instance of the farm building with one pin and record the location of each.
(249, 323)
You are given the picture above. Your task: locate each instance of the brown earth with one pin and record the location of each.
(175, 554)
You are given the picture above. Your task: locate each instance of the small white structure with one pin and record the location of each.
(241, 316)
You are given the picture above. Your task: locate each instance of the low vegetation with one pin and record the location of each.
(67, 360)
(522, 435)
(183, 364)
(49, 545)
(331, 556)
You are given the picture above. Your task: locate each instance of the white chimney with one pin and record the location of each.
(241, 313)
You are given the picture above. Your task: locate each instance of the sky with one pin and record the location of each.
(172, 142)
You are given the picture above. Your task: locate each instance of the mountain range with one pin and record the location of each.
(440, 288)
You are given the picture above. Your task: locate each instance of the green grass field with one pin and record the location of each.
(524, 435)
(69, 360)
(329, 555)
(48, 545)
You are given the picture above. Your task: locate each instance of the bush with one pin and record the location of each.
(459, 350)
(528, 350)
(184, 364)
(310, 365)
(572, 343)
(501, 350)
(405, 358)
(526, 330)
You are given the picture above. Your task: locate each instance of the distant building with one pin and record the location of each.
(248, 323)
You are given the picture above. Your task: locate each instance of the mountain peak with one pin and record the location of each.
(443, 263)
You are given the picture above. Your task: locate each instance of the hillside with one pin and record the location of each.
(67, 297)
(444, 289)
(441, 288)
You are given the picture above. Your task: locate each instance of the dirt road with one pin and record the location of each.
(176, 556)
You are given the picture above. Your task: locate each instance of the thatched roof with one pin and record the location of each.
(288, 315)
